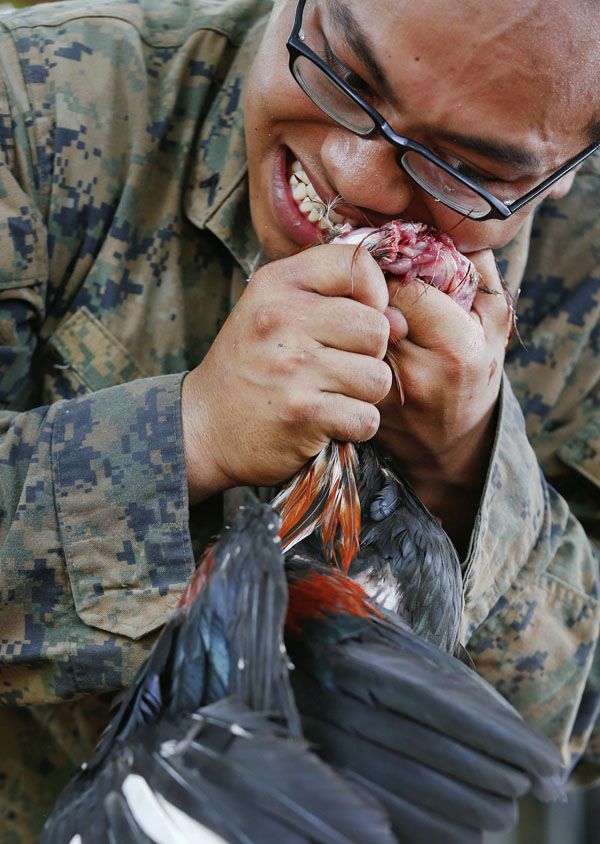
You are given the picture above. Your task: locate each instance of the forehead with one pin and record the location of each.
(531, 66)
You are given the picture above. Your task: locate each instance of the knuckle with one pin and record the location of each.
(267, 319)
(300, 411)
(378, 334)
(464, 364)
(290, 362)
(368, 424)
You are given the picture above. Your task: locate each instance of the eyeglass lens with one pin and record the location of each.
(331, 99)
(340, 107)
(444, 186)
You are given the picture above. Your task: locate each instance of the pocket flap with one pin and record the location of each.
(93, 354)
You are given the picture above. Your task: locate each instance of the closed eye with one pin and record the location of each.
(475, 175)
(356, 82)
(485, 180)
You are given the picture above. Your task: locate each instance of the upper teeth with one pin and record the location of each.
(309, 202)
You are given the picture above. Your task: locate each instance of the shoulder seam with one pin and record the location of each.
(208, 26)
(570, 588)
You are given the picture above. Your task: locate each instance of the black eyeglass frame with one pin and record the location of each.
(499, 210)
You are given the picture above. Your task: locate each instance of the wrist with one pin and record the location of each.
(450, 482)
(204, 477)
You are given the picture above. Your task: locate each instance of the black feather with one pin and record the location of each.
(416, 824)
(388, 706)
(400, 533)
(178, 754)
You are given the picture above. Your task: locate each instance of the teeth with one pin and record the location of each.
(299, 191)
(309, 202)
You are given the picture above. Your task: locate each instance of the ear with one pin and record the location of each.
(563, 186)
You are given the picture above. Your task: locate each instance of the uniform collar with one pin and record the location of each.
(217, 197)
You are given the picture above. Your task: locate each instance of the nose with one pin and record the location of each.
(366, 173)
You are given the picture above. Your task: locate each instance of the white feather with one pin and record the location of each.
(162, 822)
(193, 831)
(381, 586)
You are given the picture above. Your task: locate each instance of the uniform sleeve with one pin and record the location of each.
(532, 582)
(532, 590)
(95, 546)
(94, 537)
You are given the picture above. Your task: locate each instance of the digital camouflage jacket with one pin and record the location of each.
(125, 240)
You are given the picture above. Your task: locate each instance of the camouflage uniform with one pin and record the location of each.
(126, 238)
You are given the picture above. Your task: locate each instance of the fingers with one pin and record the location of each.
(346, 419)
(356, 376)
(433, 320)
(343, 405)
(333, 270)
(346, 324)
(436, 322)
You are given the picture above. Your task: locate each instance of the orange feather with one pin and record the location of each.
(318, 595)
(324, 495)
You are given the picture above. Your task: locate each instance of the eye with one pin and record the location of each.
(485, 180)
(356, 82)
(475, 175)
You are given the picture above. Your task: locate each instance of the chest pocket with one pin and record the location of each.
(85, 357)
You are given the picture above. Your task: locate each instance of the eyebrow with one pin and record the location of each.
(360, 42)
(500, 151)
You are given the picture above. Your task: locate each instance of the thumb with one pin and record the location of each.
(493, 303)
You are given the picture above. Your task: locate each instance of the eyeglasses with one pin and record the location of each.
(345, 106)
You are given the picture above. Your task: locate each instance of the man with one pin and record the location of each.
(126, 234)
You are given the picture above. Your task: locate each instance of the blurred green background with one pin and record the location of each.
(17, 4)
(578, 821)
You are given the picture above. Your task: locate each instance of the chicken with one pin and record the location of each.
(402, 556)
(206, 743)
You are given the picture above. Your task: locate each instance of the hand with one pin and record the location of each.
(450, 368)
(298, 362)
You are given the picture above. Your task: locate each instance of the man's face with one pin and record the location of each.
(501, 90)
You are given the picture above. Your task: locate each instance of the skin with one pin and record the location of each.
(300, 360)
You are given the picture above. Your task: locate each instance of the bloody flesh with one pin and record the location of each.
(416, 251)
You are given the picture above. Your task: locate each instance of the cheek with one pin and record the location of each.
(470, 236)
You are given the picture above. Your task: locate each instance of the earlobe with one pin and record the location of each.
(563, 186)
